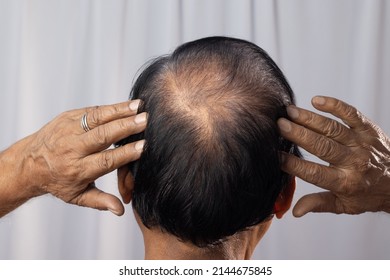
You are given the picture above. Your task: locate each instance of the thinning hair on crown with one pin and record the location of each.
(210, 166)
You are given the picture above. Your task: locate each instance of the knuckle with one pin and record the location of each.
(301, 133)
(106, 161)
(291, 165)
(307, 118)
(340, 207)
(323, 147)
(71, 172)
(310, 119)
(78, 200)
(84, 173)
(100, 136)
(125, 124)
(116, 109)
(370, 130)
(339, 105)
(357, 115)
(94, 116)
(333, 129)
(352, 113)
(315, 175)
(125, 154)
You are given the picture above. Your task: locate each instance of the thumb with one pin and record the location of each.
(316, 202)
(94, 198)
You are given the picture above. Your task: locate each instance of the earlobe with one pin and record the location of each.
(125, 183)
(284, 200)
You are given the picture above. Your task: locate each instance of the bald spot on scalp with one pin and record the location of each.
(199, 94)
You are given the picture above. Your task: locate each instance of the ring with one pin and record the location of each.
(84, 123)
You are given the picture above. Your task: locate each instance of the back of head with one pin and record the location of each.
(210, 166)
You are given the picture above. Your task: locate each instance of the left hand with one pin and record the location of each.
(357, 179)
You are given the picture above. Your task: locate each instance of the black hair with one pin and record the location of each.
(211, 164)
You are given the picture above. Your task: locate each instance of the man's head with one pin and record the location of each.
(211, 165)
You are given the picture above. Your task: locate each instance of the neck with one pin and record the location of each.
(160, 245)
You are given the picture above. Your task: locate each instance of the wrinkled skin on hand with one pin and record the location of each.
(64, 160)
(357, 179)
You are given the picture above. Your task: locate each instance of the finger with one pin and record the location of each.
(347, 113)
(125, 184)
(99, 164)
(328, 178)
(105, 135)
(317, 202)
(317, 144)
(94, 198)
(320, 124)
(99, 115)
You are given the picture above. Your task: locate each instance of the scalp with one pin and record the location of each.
(212, 141)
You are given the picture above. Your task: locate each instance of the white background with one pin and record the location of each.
(199, 270)
(66, 54)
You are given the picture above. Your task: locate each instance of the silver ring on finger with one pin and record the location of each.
(84, 123)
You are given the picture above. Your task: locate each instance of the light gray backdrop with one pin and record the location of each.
(61, 55)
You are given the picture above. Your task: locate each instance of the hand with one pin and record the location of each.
(357, 179)
(64, 160)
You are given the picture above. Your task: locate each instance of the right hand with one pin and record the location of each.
(357, 179)
(64, 160)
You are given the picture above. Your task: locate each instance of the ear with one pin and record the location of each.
(284, 200)
(125, 183)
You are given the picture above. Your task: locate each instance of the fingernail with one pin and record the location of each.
(113, 211)
(140, 145)
(319, 100)
(284, 125)
(134, 105)
(292, 112)
(141, 118)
